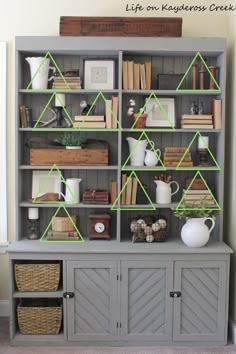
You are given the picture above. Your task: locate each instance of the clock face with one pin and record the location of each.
(99, 227)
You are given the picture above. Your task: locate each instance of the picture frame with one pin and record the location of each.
(156, 117)
(99, 74)
(43, 183)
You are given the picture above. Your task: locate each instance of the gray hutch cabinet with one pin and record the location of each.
(115, 291)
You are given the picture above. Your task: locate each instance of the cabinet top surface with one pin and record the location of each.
(157, 44)
(107, 247)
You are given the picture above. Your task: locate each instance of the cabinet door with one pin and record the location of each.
(92, 313)
(146, 306)
(200, 311)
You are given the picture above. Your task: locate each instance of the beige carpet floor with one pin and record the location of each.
(5, 348)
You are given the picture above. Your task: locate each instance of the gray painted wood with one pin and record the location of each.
(199, 314)
(92, 313)
(146, 308)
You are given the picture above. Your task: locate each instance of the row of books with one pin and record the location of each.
(62, 235)
(204, 121)
(173, 155)
(129, 193)
(74, 83)
(195, 196)
(196, 121)
(136, 76)
(25, 116)
(100, 121)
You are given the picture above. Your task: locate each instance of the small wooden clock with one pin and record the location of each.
(99, 226)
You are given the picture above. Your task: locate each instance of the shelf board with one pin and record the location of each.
(159, 168)
(38, 338)
(38, 294)
(62, 167)
(55, 130)
(51, 91)
(169, 130)
(26, 204)
(171, 92)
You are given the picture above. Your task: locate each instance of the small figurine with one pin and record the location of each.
(193, 108)
(86, 108)
(200, 108)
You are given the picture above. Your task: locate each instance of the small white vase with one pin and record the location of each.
(195, 232)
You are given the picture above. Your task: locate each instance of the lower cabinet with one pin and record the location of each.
(92, 312)
(147, 301)
(146, 307)
(200, 312)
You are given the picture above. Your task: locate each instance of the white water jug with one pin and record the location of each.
(72, 194)
(39, 70)
(163, 191)
(195, 233)
(137, 151)
(151, 158)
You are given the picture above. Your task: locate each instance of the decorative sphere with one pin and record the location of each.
(162, 223)
(156, 226)
(149, 238)
(148, 230)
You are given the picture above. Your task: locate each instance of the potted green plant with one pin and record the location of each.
(195, 232)
(71, 141)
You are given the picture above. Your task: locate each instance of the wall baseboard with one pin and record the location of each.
(232, 331)
(4, 308)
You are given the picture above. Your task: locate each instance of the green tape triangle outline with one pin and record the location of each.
(198, 54)
(48, 54)
(212, 168)
(44, 182)
(162, 168)
(133, 174)
(165, 115)
(54, 215)
(43, 112)
(108, 106)
(198, 173)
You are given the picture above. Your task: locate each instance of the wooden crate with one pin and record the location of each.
(80, 157)
(121, 26)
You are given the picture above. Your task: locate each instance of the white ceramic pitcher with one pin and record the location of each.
(163, 191)
(151, 158)
(72, 194)
(195, 232)
(137, 151)
(39, 70)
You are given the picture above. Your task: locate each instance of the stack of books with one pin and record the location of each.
(129, 193)
(195, 196)
(173, 155)
(74, 83)
(62, 236)
(89, 122)
(136, 76)
(196, 121)
(92, 196)
(112, 112)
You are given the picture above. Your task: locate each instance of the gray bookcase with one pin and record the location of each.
(122, 293)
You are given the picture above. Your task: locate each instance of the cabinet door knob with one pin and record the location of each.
(175, 294)
(68, 295)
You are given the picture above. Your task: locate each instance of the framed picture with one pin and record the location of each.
(42, 183)
(162, 114)
(99, 74)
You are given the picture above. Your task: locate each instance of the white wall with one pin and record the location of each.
(24, 17)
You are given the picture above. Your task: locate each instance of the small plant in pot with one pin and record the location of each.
(72, 141)
(138, 118)
(195, 232)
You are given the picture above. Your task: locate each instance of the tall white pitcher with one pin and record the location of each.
(39, 70)
(72, 194)
(137, 151)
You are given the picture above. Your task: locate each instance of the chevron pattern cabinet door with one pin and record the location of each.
(92, 313)
(146, 307)
(200, 312)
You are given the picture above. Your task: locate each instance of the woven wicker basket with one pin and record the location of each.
(39, 320)
(37, 277)
(63, 223)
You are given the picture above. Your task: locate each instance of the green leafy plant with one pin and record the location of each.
(200, 210)
(71, 140)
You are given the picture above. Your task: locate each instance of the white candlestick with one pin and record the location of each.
(33, 213)
(60, 100)
(203, 142)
